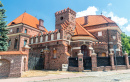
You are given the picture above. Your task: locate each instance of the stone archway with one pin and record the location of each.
(4, 68)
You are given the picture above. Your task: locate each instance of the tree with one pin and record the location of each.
(125, 43)
(3, 30)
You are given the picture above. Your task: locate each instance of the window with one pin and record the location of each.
(9, 42)
(36, 39)
(25, 42)
(58, 35)
(61, 18)
(10, 30)
(46, 39)
(31, 40)
(52, 36)
(41, 38)
(25, 31)
(54, 52)
(17, 30)
(15, 44)
(99, 33)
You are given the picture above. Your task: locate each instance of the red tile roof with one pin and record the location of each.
(93, 20)
(13, 53)
(26, 19)
(79, 30)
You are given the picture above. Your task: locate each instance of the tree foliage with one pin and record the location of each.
(3, 30)
(125, 43)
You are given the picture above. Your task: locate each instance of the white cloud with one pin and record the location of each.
(91, 10)
(119, 20)
(109, 4)
(128, 28)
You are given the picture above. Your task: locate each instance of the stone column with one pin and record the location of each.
(112, 60)
(126, 60)
(80, 62)
(94, 61)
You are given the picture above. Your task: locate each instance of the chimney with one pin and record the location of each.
(41, 22)
(109, 17)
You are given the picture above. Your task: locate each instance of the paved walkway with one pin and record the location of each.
(67, 76)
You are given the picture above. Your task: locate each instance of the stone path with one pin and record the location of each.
(100, 76)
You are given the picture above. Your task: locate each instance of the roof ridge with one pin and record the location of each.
(104, 18)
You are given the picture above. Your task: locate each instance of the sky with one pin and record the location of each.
(118, 10)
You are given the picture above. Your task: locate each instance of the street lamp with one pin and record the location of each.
(46, 50)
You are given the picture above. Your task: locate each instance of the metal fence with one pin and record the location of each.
(103, 61)
(119, 60)
(73, 62)
(35, 63)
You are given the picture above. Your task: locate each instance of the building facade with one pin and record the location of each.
(89, 33)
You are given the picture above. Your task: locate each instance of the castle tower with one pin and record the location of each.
(65, 20)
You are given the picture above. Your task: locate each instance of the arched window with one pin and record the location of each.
(58, 35)
(52, 36)
(46, 38)
(41, 38)
(84, 50)
(54, 52)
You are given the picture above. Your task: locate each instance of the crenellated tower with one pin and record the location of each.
(65, 21)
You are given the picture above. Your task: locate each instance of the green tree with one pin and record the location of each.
(3, 30)
(125, 43)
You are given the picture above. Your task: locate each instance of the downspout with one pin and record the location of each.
(108, 40)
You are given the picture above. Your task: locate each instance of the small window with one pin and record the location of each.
(52, 36)
(46, 39)
(25, 31)
(17, 30)
(15, 44)
(25, 42)
(61, 18)
(10, 30)
(9, 42)
(54, 52)
(99, 33)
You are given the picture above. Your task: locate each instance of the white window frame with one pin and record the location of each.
(58, 35)
(100, 33)
(52, 36)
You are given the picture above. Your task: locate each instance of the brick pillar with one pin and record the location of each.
(80, 62)
(46, 61)
(94, 61)
(126, 60)
(112, 60)
(26, 49)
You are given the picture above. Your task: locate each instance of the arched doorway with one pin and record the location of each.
(103, 54)
(84, 50)
(4, 68)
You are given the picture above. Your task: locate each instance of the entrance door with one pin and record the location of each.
(84, 50)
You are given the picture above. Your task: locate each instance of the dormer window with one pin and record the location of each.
(12, 23)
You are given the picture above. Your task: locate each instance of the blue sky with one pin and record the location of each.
(45, 9)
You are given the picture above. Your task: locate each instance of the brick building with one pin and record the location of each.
(71, 34)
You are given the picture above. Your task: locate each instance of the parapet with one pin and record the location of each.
(64, 11)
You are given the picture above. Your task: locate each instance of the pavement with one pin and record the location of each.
(67, 76)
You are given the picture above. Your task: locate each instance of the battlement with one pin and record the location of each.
(64, 11)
